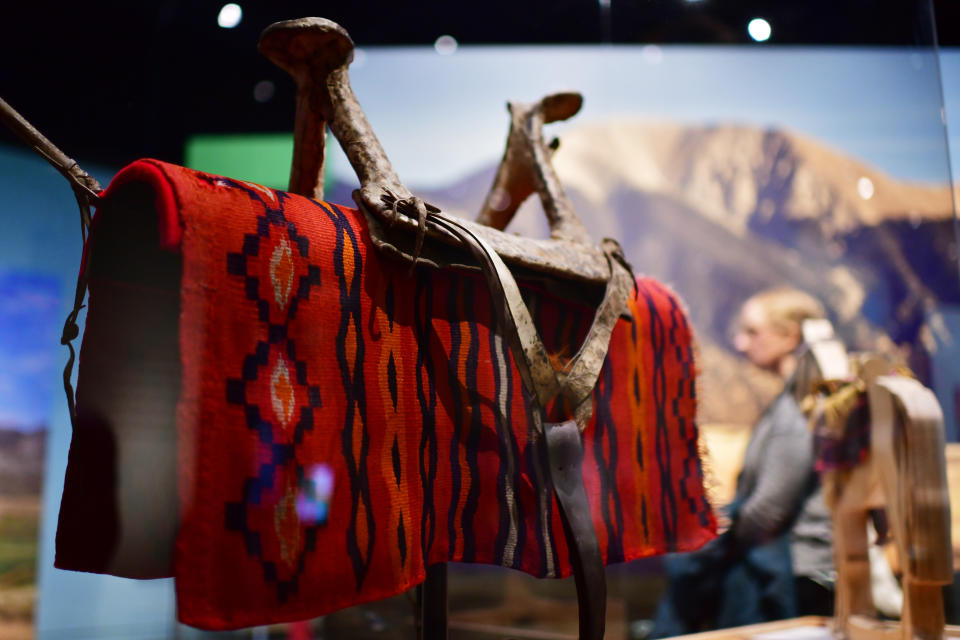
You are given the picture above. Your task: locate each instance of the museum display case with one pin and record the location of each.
(727, 151)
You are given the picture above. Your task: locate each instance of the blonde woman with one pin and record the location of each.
(775, 560)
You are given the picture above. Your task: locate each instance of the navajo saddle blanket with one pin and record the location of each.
(289, 423)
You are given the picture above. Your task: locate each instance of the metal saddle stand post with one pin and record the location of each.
(317, 52)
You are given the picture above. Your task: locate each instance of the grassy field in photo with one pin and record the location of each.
(19, 523)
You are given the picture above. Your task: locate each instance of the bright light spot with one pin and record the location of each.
(313, 500)
(499, 199)
(263, 91)
(652, 54)
(604, 4)
(865, 188)
(230, 16)
(445, 45)
(759, 29)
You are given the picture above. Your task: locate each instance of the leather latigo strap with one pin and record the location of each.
(87, 191)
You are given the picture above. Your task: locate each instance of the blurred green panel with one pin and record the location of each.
(263, 158)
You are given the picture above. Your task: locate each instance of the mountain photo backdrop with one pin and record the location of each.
(721, 171)
(29, 303)
(721, 212)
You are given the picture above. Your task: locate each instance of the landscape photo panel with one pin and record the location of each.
(29, 304)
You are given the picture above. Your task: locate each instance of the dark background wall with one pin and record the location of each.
(112, 81)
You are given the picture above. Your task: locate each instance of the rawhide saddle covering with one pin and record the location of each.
(292, 406)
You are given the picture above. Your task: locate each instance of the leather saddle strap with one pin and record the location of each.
(581, 374)
(565, 455)
(87, 191)
(563, 440)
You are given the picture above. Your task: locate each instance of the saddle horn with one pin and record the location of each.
(317, 52)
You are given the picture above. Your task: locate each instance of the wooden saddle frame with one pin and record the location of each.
(317, 52)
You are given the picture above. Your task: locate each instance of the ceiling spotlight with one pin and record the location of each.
(759, 29)
(229, 16)
(445, 45)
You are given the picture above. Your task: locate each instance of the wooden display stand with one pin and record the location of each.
(905, 473)
(811, 628)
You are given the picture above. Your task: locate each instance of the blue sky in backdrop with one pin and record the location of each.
(29, 307)
(881, 105)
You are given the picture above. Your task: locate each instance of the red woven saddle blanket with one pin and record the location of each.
(289, 423)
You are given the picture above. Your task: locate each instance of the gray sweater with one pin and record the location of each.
(778, 488)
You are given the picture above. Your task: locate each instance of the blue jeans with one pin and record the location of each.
(723, 585)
